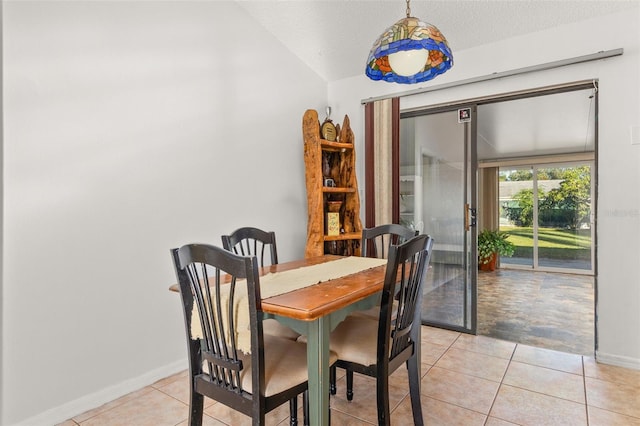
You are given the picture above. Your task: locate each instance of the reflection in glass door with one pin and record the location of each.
(547, 211)
(436, 155)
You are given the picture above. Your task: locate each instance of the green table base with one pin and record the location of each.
(317, 333)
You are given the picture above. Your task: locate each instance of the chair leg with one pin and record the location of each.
(196, 408)
(329, 414)
(414, 390)
(382, 398)
(196, 400)
(305, 407)
(293, 411)
(349, 384)
(332, 379)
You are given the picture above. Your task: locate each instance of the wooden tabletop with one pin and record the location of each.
(313, 302)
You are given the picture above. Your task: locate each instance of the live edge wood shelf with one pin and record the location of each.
(326, 163)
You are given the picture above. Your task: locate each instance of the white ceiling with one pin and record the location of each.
(544, 125)
(561, 123)
(334, 36)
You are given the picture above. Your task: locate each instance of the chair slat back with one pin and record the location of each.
(376, 241)
(405, 276)
(249, 241)
(204, 272)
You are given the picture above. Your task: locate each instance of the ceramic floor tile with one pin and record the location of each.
(526, 408)
(206, 421)
(474, 363)
(599, 417)
(153, 408)
(485, 345)
(548, 358)
(611, 373)
(617, 397)
(400, 377)
(112, 404)
(467, 391)
(363, 405)
(544, 380)
(232, 417)
(431, 352)
(492, 421)
(343, 419)
(436, 413)
(540, 387)
(178, 388)
(439, 336)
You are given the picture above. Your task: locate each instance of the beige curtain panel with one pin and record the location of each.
(382, 161)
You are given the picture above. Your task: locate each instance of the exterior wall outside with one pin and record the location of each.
(132, 128)
(618, 210)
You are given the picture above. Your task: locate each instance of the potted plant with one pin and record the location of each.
(492, 244)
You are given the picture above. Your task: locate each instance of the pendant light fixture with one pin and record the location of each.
(410, 51)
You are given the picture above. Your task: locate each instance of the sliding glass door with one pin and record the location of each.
(437, 190)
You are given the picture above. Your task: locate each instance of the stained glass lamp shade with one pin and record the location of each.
(410, 51)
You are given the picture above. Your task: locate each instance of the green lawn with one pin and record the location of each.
(552, 243)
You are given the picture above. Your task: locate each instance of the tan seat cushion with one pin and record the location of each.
(273, 327)
(285, 363)
(356, 340)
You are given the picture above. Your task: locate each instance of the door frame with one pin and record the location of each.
(520, 94)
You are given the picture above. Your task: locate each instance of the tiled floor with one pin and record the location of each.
(467, 380)
(542, 309)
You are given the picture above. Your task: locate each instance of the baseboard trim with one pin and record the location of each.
(617, 360)
(73, 408)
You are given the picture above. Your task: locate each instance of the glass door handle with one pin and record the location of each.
(470, 218)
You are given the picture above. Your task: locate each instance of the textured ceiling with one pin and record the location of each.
(334, 36)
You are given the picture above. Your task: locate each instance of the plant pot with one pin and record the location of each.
(489, 266)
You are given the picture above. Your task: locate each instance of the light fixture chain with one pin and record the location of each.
(408, 8)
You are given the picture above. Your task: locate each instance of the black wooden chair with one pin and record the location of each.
(377, 240)
(254, 384)
(377, 348)
(249, 241)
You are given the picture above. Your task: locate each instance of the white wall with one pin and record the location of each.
(132, 128)
(117, 115)
(618, 237)
(1, 209)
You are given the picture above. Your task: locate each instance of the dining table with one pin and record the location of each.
(315, 310)
(316, 307)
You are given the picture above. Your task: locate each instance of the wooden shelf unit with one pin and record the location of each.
(334, 160)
